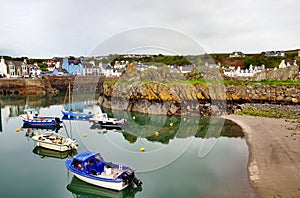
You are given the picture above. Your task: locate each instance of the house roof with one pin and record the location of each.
(15, 63)
(88, 65)
(237, 52)
(107, 66)
(75, 62)
(33, 66)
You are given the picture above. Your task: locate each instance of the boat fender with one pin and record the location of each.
(115, 175)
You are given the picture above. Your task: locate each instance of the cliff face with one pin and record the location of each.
(185, 99)
(49, 85)
(26, 87)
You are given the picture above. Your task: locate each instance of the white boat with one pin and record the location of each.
(106, 122)
(55, 141)
(91, 168)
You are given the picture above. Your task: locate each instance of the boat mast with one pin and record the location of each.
(70, 109)
(69, 97)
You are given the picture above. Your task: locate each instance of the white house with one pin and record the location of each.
(34, 70)
(282, 64)
(186, 69)
(237, 54)
(108, 70)
(275, 53)
(3, 67)
(238, 72)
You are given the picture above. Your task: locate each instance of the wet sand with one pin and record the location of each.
(274, 160)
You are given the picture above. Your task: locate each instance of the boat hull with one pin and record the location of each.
(41, 122)
(104, 184)
(53, 146)
(108, 123)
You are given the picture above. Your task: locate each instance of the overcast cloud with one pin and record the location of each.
(37, 28)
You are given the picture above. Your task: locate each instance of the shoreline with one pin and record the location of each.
(274, 155)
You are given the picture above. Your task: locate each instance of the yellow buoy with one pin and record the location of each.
(17, 130)
(156, 133)
(84, 135)
(133, 117)
(37, 133)
(142, 149)
(171, 124)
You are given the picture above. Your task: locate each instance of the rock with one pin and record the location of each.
(187, 99)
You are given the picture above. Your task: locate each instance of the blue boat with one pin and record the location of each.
(31, 117)
(91, 168)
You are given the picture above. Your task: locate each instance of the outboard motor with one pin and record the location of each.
(57, 120)
(130, 177)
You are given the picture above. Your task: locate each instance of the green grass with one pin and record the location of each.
(110, 82)
(268, 113)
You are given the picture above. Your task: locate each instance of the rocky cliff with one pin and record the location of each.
(188, 99)
(26, 87)
(50, 85)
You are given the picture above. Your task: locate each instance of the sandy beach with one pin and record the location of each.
(274, 160)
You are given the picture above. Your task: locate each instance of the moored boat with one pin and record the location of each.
(55, 141)
(106, 122)
(31, 117)
(91, 168)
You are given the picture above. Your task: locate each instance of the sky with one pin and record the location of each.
(49, 28)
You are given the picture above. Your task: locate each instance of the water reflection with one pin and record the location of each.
(158, 129)
(46, 153)
(82, 189)
(29, 128)
(14, 106)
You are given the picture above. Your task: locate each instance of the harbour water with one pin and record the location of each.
(183, 157)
